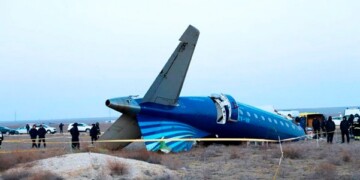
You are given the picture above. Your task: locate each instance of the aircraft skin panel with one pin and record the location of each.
(167, 86)
(255, 123)
(175, 146)
(174, 130)
(252, 122)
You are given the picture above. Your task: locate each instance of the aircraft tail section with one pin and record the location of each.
(167, 86)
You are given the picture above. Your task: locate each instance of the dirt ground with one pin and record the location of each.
(310, 159)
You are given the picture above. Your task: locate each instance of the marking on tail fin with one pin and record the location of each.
(167, 86)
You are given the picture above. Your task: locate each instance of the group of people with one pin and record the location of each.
(35, 133)
(349, 126)
(74, 131)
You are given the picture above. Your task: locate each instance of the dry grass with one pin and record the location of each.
(173, 163)
(234, 152)
(303, 160)
(325, 171)
(17, 157)
(346, 156)
(88, 147)
(15, 175)
(142, 155)
(293, 152)
(44, 175)
(117, 168)
(30, 175)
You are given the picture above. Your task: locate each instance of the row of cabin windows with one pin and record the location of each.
(269, 119)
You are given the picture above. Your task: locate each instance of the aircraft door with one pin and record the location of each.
(225, 108)
(234, 115)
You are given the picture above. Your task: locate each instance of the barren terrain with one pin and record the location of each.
(309, 159)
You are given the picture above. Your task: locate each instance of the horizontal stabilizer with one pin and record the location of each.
(167, 86)
(126, 127)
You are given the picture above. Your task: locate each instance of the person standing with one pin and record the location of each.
(41, 133)
(330, 129)
(316, 126)
(303, 123)
(74, 131)
(356, 129)
(27, 128)
(323, 126)
(1, 138)
(33, 135)
(351, 125)
(98, 129)
(93, 133)
(344, 127)
(61, 127)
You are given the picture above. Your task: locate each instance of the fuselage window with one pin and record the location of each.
(241, 112)
(269, 119)
(293, 126)
(275, 121)
(262, 117)
(248, 114)
(287, 124)
(256, 116)
(282, 123)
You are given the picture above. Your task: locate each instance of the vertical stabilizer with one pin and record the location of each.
(167, 86)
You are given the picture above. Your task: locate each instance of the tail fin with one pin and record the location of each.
(167, 86)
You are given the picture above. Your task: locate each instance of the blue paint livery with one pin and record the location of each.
(196, 117)
(162, 115)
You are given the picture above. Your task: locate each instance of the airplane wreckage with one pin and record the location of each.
(164, 116)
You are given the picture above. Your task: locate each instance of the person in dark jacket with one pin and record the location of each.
(1, 138)
(323, 126)
(344, 127)
(351, 124)
(61, 125)
(93, 133)
(98, 129)
(27, 128)
(41, 134)
(33, 135)
(303, 123)
(316, 126)
(330, 129)
(74, 131)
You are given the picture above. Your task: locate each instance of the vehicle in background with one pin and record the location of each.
(6, 130)
(81, 126)
(49, 129)
(22, 130)
(353, 111)
(337, 120)
(309, 119)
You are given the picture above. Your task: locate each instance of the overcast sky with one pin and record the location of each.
(63, 59)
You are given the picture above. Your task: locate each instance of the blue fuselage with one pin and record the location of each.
(201, 113)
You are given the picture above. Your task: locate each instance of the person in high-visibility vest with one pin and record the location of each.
(356, 127)
(1, 138)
